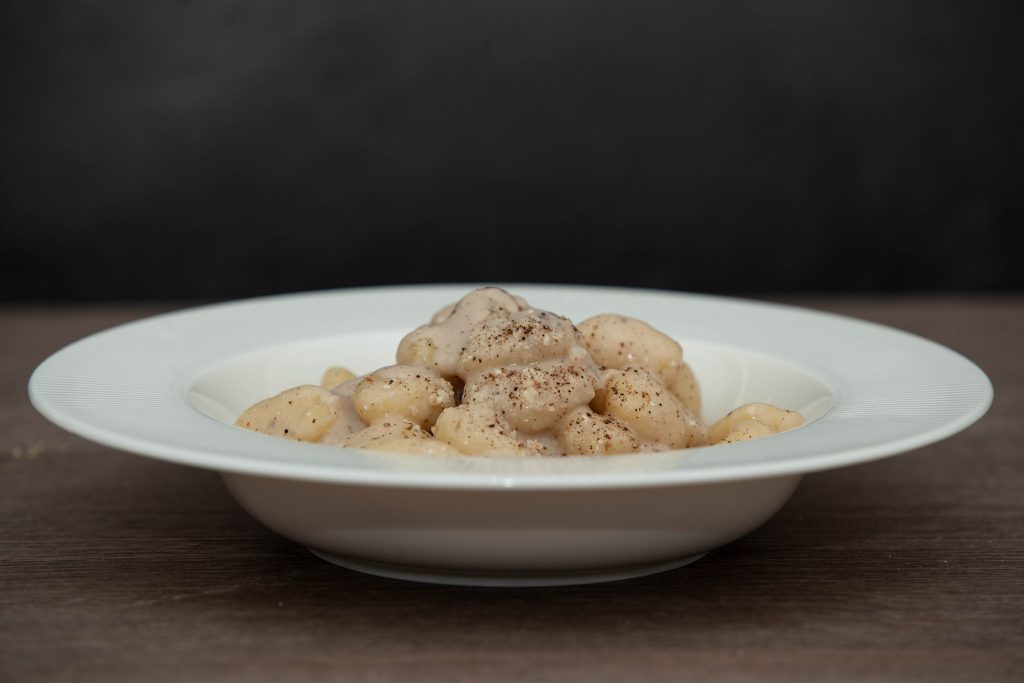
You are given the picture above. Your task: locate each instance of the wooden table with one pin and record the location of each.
(116, 567)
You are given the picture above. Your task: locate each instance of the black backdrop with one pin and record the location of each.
(226, 148)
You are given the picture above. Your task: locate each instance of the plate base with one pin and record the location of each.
(502, 580)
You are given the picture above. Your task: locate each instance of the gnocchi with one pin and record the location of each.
(489, 375)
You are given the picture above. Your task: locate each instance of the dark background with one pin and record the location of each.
(220, 149)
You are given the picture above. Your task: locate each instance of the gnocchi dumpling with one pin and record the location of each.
(303, 413)
(753, 421)
(416, 394)
(440, 344)
(635, 397)
(335, 376)
(533, 397)
(585, 432)
(478, 429)
(522, 337)
(619, 342)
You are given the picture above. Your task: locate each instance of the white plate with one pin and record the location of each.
(170, 386)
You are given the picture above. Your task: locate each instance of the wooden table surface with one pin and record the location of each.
(116, 567)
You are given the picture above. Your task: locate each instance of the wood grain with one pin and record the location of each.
(115, 567)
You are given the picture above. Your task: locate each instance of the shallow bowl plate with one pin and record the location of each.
(170, 386)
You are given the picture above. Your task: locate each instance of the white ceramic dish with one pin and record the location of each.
(170, 386)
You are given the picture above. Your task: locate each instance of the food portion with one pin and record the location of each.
(490, 375)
